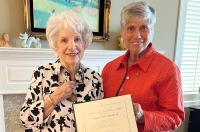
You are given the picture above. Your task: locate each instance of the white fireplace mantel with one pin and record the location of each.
(18, 64)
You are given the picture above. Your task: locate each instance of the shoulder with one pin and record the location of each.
(46, 66)
(91, 74)
(164, 60)
(46, 72)
(114, 63)
(90, 71)
(165, 65)
(49, 67)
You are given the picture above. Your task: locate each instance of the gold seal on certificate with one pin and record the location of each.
(107, 115)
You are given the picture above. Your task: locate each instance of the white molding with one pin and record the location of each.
(21, 61)
(191, 103)
(191, 99)
(33, 53)
(180, 31)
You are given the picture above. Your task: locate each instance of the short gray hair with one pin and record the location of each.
(140, 11)
(71, 21)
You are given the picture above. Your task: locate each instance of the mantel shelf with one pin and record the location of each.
(43, 53)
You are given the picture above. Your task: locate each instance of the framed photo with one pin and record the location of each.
(95, 12)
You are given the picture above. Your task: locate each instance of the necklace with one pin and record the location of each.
(73, 97)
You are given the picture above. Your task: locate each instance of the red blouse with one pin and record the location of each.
(154, 82)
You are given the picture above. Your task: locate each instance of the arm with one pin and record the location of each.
(48, 106)
(170, 112)
(62, 92)
(97, 91)
(32, 110)
(37, 107)
(99, 87)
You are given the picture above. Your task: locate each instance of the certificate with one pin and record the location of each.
(107, 115)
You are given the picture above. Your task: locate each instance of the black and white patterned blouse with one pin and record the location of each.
(45, 80)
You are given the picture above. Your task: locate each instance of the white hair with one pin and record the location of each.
(70, 21)
(138, 11)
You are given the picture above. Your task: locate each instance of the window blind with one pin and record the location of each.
(190, 57)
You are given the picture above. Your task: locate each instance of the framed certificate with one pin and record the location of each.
(107, 115)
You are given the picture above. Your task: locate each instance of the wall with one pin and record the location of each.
(11, 17)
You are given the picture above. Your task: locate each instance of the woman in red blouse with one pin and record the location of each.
(152, 79)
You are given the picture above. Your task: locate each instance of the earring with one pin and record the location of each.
(57, 55)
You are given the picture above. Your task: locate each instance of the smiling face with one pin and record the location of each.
(136, 36)
(70, 48)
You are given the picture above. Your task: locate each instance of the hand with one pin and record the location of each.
(63, 92)
(139, 116)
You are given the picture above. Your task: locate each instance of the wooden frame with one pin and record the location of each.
(101, 32)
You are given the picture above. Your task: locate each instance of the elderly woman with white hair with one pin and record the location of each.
(152, 79)
(56, 86)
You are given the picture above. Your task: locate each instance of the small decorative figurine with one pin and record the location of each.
(121, 43)
(4, 42)
(27, 41)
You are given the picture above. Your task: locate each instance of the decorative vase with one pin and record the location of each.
(121, 43)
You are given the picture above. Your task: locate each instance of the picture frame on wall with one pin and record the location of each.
(95, 12)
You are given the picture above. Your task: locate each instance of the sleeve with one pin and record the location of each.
(31, 113)
(170, 112)
(97, 83)
(105, 74)
(100, 87)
